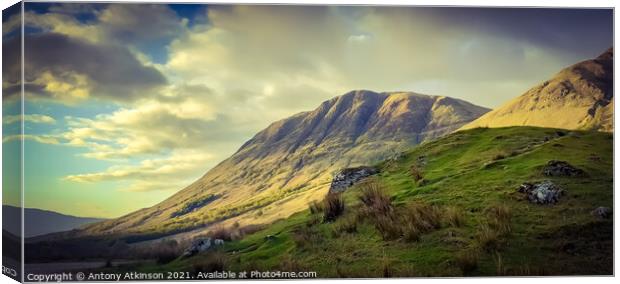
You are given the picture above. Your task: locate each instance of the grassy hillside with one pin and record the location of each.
(447, 208)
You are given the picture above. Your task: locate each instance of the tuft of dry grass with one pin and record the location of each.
(306, 237)
(416, 173)
(347, 225)
(488, 238)
(388, 226)
(454, 216)
(375, 200)
(315, 207)
(333, 207)
(408, 222)
(422, 216)
(491, 235)
(499, 217)
(411, 233)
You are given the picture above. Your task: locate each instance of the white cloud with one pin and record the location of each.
(359, 38)
(152, 128)
(28, 118)
(43, 139)
(170, 173)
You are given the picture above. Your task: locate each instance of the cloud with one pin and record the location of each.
(65, 24)
(172, 172)
(140, 24)
(119, 23)
(238, 68)
(337, 49)
(70, 60)
(149, 129)
(43, 139)
(179, 117)
(32, 118)
(69, 70)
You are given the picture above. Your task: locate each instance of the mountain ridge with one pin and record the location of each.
(578, 97)
(290, 162)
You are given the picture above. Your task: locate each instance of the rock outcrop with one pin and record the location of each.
(201, 245)
(561, 169)
(545, 192)
(346, 178)
(197, 246)
(602, 212)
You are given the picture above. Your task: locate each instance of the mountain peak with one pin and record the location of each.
(607, 55)
(291, 162)
(578, 97)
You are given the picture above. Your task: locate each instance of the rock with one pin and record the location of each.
(545, 192)
(602, 212)
(218, 242)
(561, 168)
(348, 177)
(270, 237)
(198, 246)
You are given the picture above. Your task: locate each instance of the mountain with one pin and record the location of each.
(291, 162)
(578, 97)
(483, 225)
(41, 222)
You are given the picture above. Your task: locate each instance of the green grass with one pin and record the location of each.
(469, 171)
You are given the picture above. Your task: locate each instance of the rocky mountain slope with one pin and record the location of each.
(291, 162)
(578, 97)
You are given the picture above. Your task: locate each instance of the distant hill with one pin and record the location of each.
(291, 162)
(40, 222)
(578, 97)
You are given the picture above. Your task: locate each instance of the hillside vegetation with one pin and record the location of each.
(449, 207)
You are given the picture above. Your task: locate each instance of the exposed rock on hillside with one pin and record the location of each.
(545, 192)
(561, 169)
(201, 245)
(602, 212)
(348, 177)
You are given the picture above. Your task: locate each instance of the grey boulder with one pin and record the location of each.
(545, 192)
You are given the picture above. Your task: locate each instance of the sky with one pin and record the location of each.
(127, 104)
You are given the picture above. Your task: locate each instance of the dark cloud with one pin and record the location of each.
(579, 31)
(110, 71)
(11, 67)
(140, 23)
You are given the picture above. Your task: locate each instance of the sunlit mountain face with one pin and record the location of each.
(126, 104)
